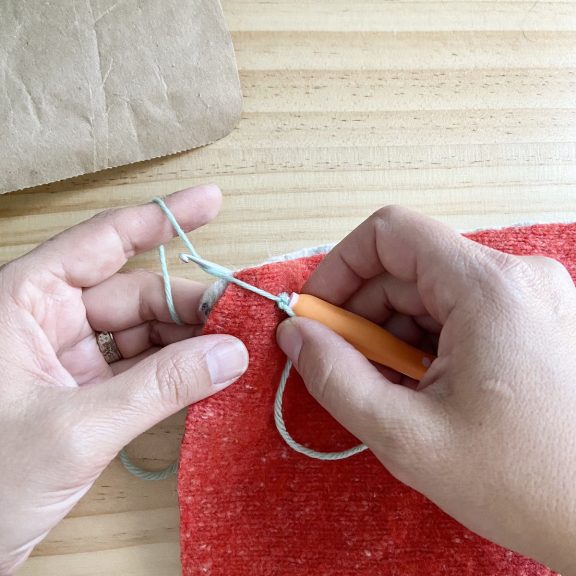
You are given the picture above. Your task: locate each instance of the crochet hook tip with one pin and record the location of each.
(208, 267)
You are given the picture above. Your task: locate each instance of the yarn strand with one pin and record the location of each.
(168, 287)
(163, 474)
(287, 437)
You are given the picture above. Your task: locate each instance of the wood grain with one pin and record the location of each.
(465, 110)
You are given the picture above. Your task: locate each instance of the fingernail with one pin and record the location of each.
(290, 339)
(227, 361)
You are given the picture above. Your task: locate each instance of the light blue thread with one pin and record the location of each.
(283, 303)
(282, 300)
(147, 474)
(281, 427)
(216, 269)
(168, 287)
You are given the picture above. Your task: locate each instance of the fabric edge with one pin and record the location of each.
(215, 290)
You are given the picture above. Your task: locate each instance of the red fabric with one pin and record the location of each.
(251, 506)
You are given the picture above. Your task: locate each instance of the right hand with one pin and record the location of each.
(490, 435)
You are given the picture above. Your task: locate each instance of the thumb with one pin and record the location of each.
(164, 383)
(387, 417)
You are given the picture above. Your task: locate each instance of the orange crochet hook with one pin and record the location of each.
(368, 338)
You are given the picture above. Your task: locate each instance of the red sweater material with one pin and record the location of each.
(250, 506)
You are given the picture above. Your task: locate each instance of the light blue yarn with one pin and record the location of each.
(281, 427)
(210, 267)
(168, 286)
(163, 474)
(282, 300)
(283, 303)
(169, 471)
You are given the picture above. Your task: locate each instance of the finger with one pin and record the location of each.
(127, 363)
(396, 377)
(383, 296)
(94, 250)
(414, 248)
(405, 328)
(409, 330)
(428, 324)
(386, 417)
(138, 339)
(128, 299)
(378, 298)
(159, 386)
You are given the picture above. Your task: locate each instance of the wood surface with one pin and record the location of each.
(465, 110)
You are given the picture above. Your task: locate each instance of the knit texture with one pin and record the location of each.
(250, 506)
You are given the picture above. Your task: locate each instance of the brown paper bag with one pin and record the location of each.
(87, 85)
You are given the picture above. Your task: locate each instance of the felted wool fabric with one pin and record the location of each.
(249, 505)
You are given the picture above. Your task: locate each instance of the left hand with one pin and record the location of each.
(64, 412)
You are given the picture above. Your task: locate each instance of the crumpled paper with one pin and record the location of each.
(88, 85)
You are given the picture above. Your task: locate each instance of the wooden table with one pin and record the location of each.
(465, 110)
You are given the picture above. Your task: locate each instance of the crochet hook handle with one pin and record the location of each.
(367, 337)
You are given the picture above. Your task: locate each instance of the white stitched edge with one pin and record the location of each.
(214, 291)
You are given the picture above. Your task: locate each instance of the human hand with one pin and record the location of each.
(490, 434)
(64, 412)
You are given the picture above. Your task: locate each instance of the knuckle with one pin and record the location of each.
(389, 213)
(142, 282)
(20, 283)
(318, 377)
(155, 334)
(178, 380)
(9, 273)
(520, 278)
(6, 269)
(503, 275)
(15, 271)
(508, 265)
(108, 214)
(553, 284)
(554, 269)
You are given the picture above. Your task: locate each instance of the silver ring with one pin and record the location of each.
(108, 347)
